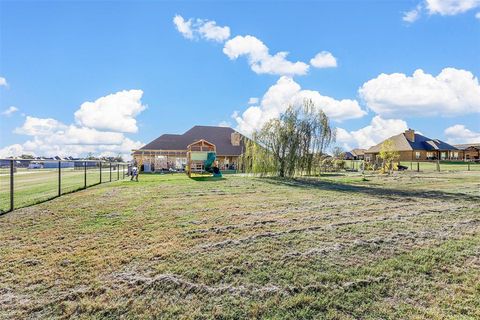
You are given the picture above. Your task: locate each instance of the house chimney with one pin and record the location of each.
(235, 138)
(410, 135)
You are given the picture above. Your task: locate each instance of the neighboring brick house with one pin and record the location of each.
(414, 146)
(358, 154)
(355, 154)
(169, 151)
(470, 151)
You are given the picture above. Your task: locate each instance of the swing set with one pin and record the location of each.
(201, 160)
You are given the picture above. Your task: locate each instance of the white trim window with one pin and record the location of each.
(417, 155)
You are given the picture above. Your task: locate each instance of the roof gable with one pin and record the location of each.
(401, 143)
(219, 136)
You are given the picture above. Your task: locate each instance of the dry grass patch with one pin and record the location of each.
(327, 247)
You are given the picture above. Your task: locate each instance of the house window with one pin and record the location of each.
(430, 155)
(443, 155)
(417, 155)
(455, 155)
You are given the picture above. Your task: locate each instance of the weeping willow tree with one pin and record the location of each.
(291, 144)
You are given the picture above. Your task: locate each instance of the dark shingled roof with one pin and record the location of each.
(219, 136)
(401, 143)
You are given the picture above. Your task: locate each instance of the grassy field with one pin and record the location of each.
(37, 185)
(427, 166)
(444, 166)
(167, 247)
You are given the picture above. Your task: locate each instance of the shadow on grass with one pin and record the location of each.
(391, 194)
(208, 178)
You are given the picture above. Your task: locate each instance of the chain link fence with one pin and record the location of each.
(27, 182)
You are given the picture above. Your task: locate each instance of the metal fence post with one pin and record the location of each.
(110, 172)
(438, 165)
(123, 170)
(84, 174)
(12, 171)
(59, 178)
(118, 172)
(468, 164)
(418, 166)
(100, 171)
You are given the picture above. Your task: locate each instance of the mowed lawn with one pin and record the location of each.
(167, 247)
(36, 185)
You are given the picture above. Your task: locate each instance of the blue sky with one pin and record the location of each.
(55, 57)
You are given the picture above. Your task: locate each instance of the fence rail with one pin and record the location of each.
(27, 182)
(424, 166)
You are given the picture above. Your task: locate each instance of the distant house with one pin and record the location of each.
(55, 164)
(355, 154)
(470, 151)
(414, 146)
(169, 151)
(348, 156)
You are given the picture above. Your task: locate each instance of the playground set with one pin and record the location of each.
(201, 160)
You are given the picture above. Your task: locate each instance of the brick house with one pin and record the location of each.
(169, 151)
(355, 154)
(470, 151)
(412, 146)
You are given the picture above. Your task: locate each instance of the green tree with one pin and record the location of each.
(291, 144)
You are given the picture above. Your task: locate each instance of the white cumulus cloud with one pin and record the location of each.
(450, 7)
(458, 134)
(259, 58)
(206, 29)
(440, 7)
(114, 112)
(378, 130)
(210, 31)
(39, 126)
(412, 15)
(452, 92)
(324, 59)
(50, 137)
(14, 150)
(253, 100)
(99, 129)
(9, 111)
(3, 82)
(287, 92)
(183, 26)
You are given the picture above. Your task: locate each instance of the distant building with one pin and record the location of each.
(355, 154)
(470, 151)
(54, 164)
(412, 146)
(169, 151)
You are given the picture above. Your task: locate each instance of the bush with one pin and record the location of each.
(339, 164)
